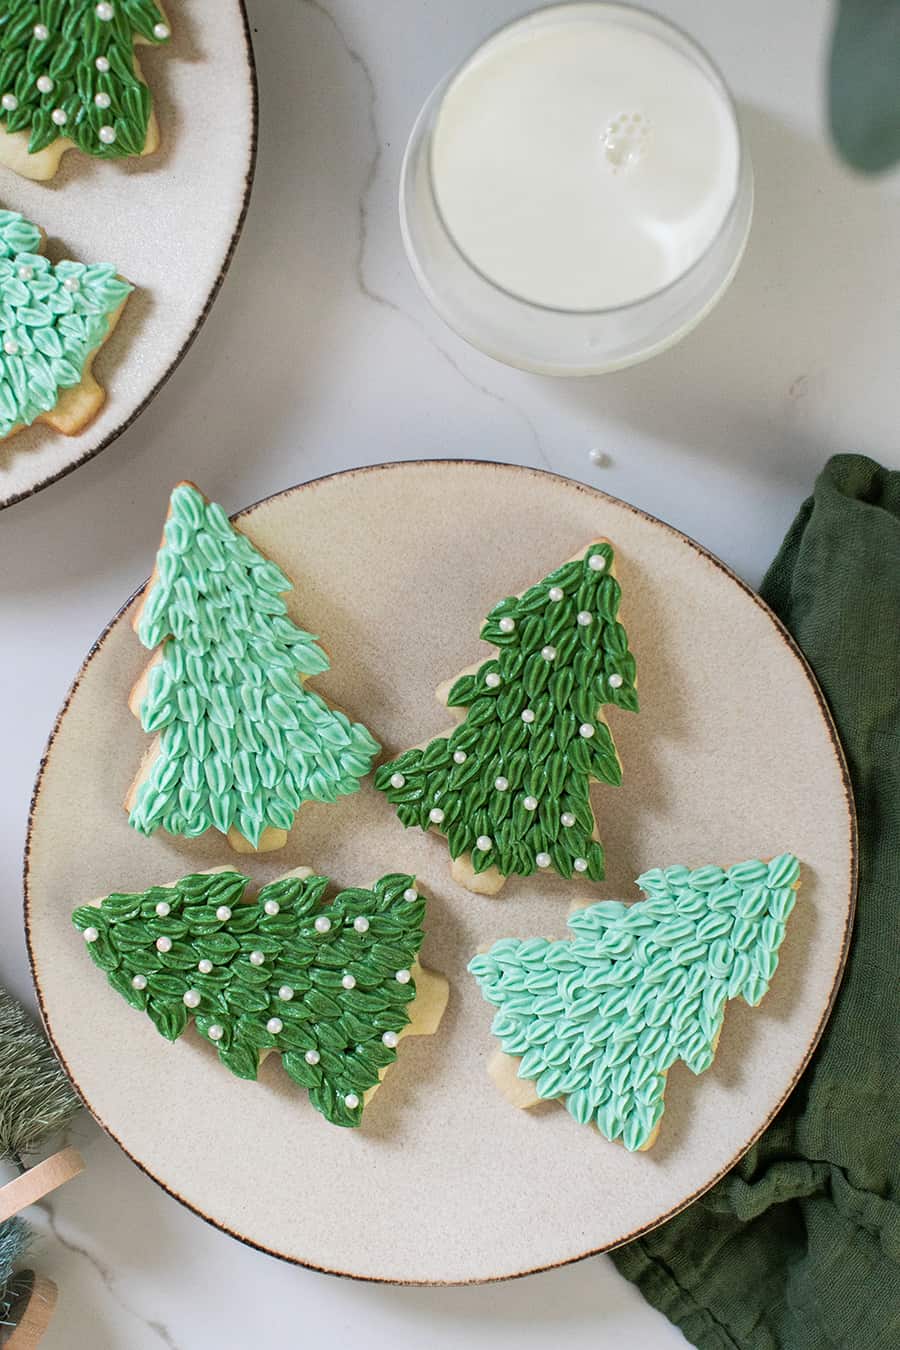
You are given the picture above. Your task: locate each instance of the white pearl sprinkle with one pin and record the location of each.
(410, 895)
(492, 679)
(403, 976)
(102, 100)
(580, 864)
(102, 64)
(351, 1101)
(349, 981)
(397, 780)
(271, 907)
(548, 653)
(164, 944)
(216, 1032)
(163, 908)
(555, 593)
(160, 31)
(139, 982)
(586, 730)
(10, 102)
(530, 803)
(205, 966)
(274, 1025)
(257, 958)
(104, 10)
(312, 1056)
(322, 924)
(435, 815)
(596, 562)
(567, 819)
(459, 756)
(507, 625)
(25, 273)
(71, 284)
(584, 617)
(616, 681)
(44, 83)
(191, 999)
(223, 913)
(10, 346)
(285, 993)
(390, 1039)
(527, 715)
(107, 135)
(484, 842)
(501, 783)
(41, 32)
(361, 923)
(92, 934)
(542, 859)
(59, 117)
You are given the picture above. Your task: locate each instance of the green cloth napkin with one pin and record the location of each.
(798, 1248)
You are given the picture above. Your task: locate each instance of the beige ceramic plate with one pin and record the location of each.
(169, 223)
(733, 755)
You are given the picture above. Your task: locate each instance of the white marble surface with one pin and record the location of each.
(320, 354)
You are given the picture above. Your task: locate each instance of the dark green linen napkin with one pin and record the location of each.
(798, 1248)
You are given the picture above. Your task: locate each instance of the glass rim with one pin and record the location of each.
(709, 67)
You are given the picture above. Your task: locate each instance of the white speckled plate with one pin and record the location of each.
(168, 222)
(732, 755)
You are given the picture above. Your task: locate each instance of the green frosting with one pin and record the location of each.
(242, 742)
(85, 64)
(327, 986)
(600, 1020)
(51, 319)
(510, 786)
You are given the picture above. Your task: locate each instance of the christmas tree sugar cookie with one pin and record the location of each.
(69, 78)
(510, 785)
(330, 986)
(54, 318)
(239, 742)
(600, 1019)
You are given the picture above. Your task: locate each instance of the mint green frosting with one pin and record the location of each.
(599, 1020)
(242, 742)
(51, 319)
(511, 785)
(263, 976)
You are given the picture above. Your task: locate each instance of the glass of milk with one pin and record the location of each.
(577, 195)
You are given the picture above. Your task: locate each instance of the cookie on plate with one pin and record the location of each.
(69, 78)
(54, 318)
(600, 1019)
(509, 787)
(330, 986)
(239, 742)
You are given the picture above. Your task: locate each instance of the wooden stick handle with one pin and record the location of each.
(34, 1314)
(39, 1181)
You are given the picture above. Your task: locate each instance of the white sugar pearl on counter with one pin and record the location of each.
(139, 982)
(257, 958)
(527, 715)
(507, 625)
(390, 1039)
(492, 679)
(351, 1101)
(597, 562)
(107, 135)
(92, 934)
(163, 908)
(312, 1056)
(586, 730)
(435, 815)
(191, 999)
(555, 593)
(271, 907)
(459, 756)
(44, 84)
(223, 913)
(483, 842)
(616, 681)
(274, 1025)
(397, 780)
(216, 1032)
(361, 923)
(501, 783)
(530, 803)
(102, 100)
(205, 966)
(584, 617)
(164, 944)
(580, 864)
(322, 924)
(548, 653)
(349, 982)
(542, 859)
(410, 895)
(568, 819)
(285, 993)
(160, 31)
(403, 976)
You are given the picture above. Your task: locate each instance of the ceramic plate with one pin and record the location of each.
(733, 755)
(169, 223)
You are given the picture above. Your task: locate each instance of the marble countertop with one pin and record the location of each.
(321, 354)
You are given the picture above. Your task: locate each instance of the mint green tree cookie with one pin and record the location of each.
(240, 742)
(329, 987)
(53, 320)
(599, 1020)
(510, 786)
